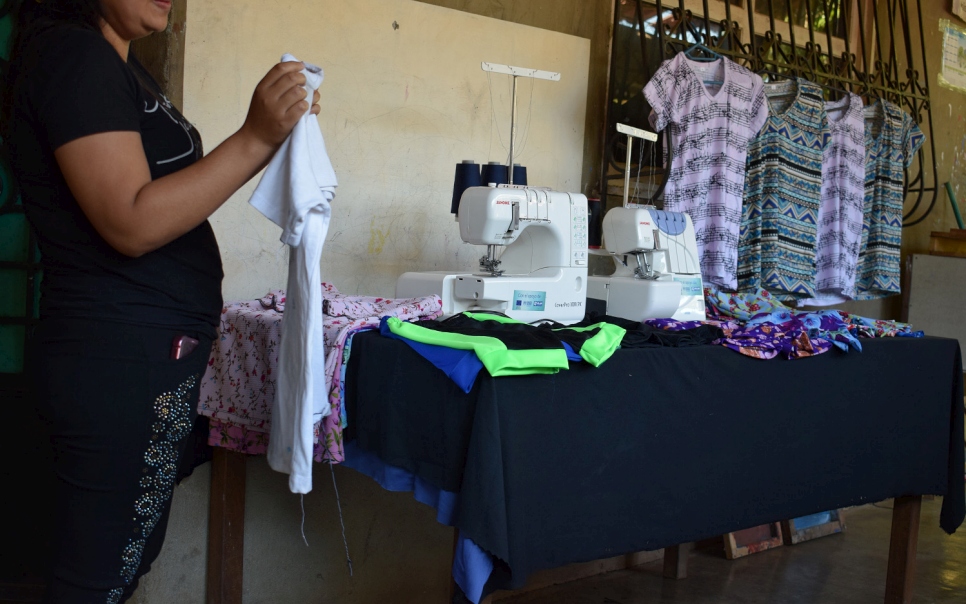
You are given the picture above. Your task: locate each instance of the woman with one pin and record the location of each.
(114, 183)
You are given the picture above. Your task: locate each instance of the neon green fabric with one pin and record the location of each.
(494, 355)
(595, 350)
(602, 345)
(488, 317)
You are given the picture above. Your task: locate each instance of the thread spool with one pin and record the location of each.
(467, 175)
(519, 174)
(594, 226)
(496, 173)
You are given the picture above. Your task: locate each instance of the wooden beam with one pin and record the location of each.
(162, 54)
(902, 549)
(226, 528)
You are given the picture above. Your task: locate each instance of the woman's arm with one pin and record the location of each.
(108, 172)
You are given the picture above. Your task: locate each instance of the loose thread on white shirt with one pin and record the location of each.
(338, 503)
(302, 501)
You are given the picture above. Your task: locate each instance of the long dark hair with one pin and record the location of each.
(33, 17)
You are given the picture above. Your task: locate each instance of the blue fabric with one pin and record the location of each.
(472, 566)
(572, 356)
(804, 522)
(461, 366)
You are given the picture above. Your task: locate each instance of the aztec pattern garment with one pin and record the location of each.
(840, 217)
(239, 386)
(892, 141)
(709, 141)
(756, 324)
(783, 192)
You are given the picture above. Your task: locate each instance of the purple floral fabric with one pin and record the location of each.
(757, 325)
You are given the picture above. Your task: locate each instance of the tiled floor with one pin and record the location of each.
(841, 569)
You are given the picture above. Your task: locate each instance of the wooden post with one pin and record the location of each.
(452, 561)
(226, 528)
(162, 54)
(676, 561)
(902, 550)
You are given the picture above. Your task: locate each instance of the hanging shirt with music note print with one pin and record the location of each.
(710, 127)
(840, 217)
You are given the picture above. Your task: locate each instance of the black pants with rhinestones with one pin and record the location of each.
(118, 411)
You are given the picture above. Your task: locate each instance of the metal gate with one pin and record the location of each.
(874, 48)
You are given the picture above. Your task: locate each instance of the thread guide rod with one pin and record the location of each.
(517, 72)
(631, 133)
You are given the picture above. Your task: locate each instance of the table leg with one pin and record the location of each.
(676, 561)
(226, 527)
(452, 561)
(902, 549)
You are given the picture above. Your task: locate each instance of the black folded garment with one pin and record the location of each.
(640, 335)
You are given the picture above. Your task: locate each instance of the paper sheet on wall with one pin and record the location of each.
(952, 73)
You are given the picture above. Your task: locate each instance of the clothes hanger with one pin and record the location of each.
(713, 56)
(689, 53)
(787, 76)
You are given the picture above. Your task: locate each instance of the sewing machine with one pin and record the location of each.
(542, 271)
(658, 274)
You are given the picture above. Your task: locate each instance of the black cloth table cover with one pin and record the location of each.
(663, 446)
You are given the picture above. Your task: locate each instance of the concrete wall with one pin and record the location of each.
(403, 101)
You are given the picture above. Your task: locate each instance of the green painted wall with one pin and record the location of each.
(19, 275)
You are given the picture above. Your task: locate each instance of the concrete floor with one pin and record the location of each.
(841, 569)
(400, 554)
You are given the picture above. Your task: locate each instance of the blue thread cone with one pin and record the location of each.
(519, 174)
(495, 172)
(467, 175)
(594, 226)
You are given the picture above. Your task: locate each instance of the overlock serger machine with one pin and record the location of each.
(542, 270)
(658, 274)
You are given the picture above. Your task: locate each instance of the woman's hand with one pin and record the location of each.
(279, 101)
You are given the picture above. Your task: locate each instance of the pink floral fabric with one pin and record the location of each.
(239, 386)
(238, 389)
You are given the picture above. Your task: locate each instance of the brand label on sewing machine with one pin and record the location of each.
(690, 286)
(529, 300)
(571, 304)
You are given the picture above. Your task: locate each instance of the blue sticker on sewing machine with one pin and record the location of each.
(690, 286)
(527, 300)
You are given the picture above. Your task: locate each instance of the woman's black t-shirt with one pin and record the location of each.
(73, 84)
